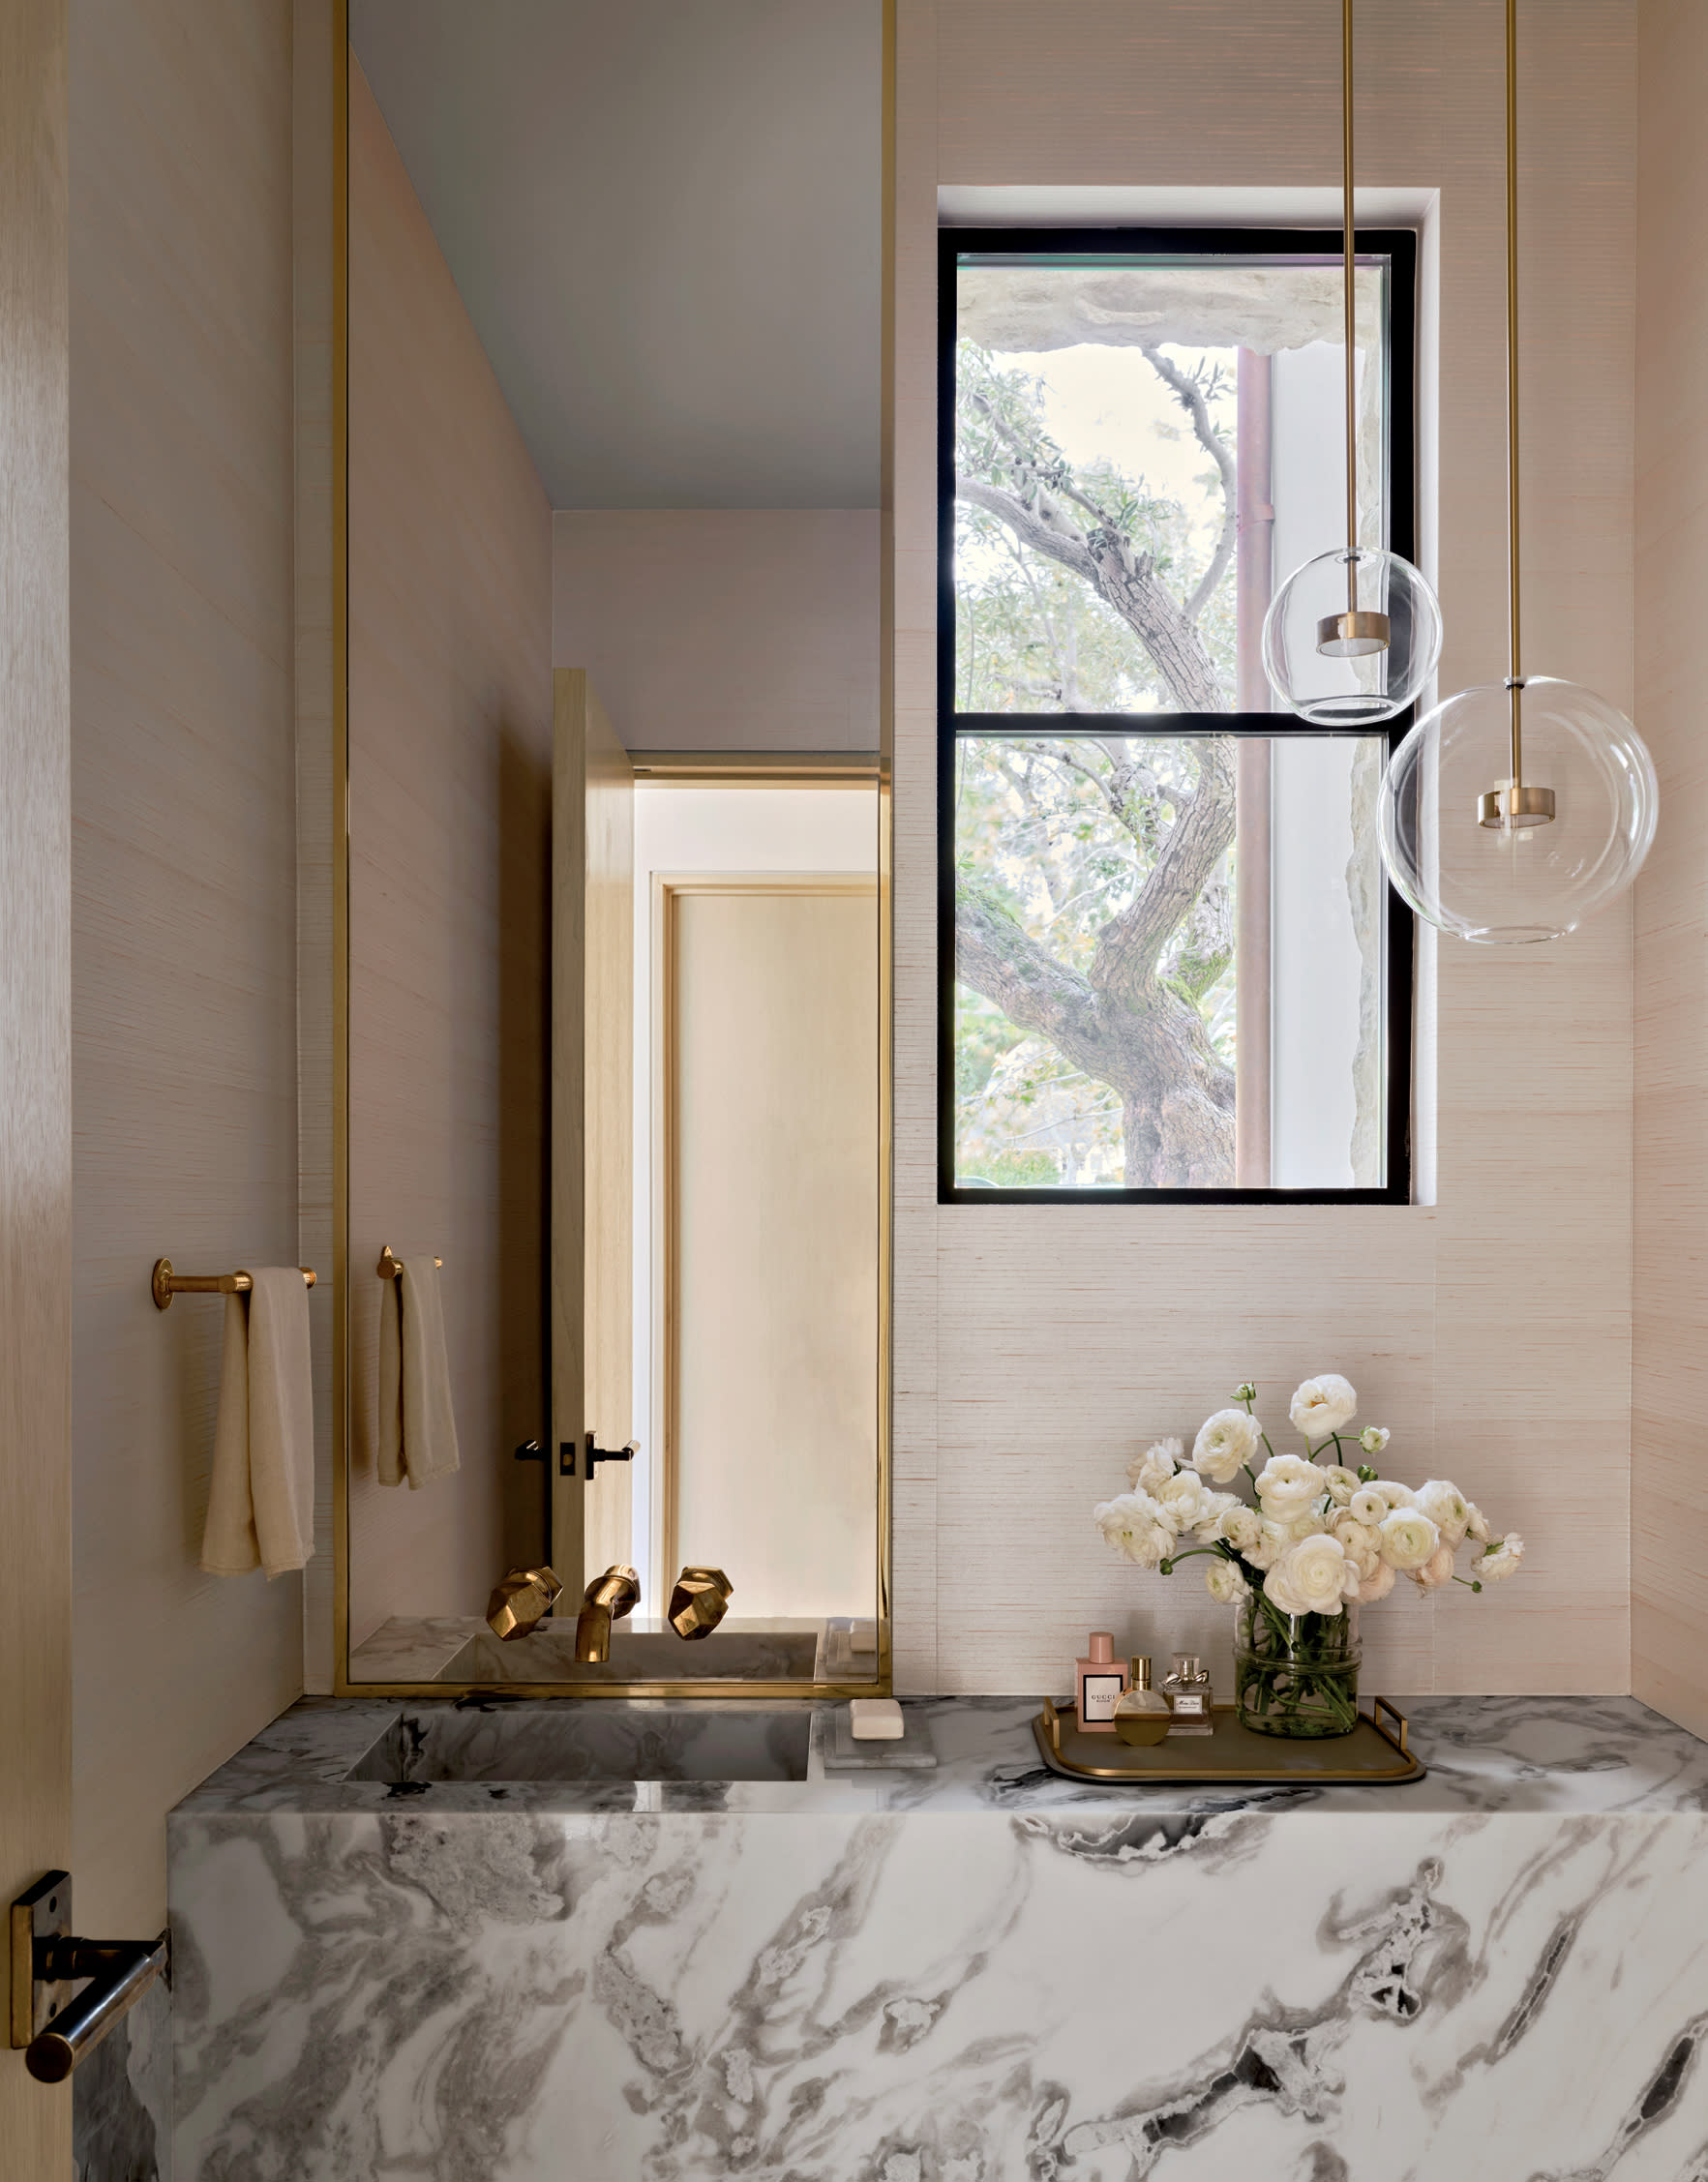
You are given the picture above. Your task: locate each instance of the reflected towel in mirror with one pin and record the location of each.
(417, 1425)
(262, 1497)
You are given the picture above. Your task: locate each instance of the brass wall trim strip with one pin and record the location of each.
(758, 769)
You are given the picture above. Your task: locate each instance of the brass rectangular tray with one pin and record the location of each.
(1374, 1753)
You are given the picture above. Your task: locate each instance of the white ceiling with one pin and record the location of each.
(663, 217)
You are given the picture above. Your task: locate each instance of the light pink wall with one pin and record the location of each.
(450, 713)
(1036, 1348)
(183, 878)
(723, 629)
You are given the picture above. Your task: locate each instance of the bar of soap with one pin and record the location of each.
(875, 1720)
(863, 1637)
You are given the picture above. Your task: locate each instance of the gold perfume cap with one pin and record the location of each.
(1141, 1670)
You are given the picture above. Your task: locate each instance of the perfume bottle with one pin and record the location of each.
(1187, 1686)
(1098, 1680)
(1143, 1716)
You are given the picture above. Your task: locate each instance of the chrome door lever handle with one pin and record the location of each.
(55, 2029)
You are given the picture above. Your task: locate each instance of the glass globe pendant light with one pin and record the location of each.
(1515, 810)
(1352, 636)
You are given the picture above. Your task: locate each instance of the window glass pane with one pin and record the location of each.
(1170, 954)
(1097, 418)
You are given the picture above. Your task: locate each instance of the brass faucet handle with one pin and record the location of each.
(522, 1602)
(698, 1602)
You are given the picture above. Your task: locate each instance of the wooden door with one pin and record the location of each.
(592, 1129)
(35, 1021)
(769, 1045)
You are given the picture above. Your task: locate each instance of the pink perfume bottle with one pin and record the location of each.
(1099, 1683)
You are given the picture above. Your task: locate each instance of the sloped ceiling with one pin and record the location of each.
(663, 217)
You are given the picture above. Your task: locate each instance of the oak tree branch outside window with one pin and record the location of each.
(1171, 963)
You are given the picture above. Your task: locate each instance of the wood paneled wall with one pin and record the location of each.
(35, 1015)
(183, 866)
(1669, 1488)
(1036, 1349)
(450, 694)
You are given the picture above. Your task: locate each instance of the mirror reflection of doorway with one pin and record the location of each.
(757, 1192)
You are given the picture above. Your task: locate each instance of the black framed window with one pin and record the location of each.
(1171, 967)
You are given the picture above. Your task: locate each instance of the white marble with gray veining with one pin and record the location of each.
(1567, 1754)
(982, 1974)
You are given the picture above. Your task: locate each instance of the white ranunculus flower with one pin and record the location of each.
(1240, 1526)
(1393, 1494)
(1367, 1505)
(1134, 1525)
(1435, 1571)
(1360, 1542)
(1446, 1507)
(1310, 1524)
(1217, 1505)
(1272, 1541)
(1323, 1405)
(1310, 1578)
(1287, 1484)
(1501, 1559)
(1184, 1501)
(1374, 1438)
(1341, 1482)
(1155, 1466)
(1224, 1442)
(1376, 1586)
(1408, 1538)
(1475, 1523)
(1224, 1582)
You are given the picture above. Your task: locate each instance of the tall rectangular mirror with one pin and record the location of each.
(611, 1171)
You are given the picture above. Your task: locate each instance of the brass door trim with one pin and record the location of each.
(759, 769)
(342, 1392)
(739, 769)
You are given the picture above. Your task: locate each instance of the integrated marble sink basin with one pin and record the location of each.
(570, 1740)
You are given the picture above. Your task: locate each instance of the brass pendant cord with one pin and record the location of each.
(1513, 631)
(1351, 308)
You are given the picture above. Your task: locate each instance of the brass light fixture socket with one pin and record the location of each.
(698, 1602)
(1355, 635)
(522, 1602)
(1509, 810)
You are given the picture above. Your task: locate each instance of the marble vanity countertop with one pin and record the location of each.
(1574, 1756)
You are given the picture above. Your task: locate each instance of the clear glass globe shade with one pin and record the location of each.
(1508, 885)
(1352, 679)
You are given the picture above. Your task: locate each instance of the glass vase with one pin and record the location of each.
(1294, 1674)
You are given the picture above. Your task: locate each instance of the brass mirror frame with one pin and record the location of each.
(339, 555)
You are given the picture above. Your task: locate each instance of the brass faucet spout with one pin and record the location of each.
(608, 1599)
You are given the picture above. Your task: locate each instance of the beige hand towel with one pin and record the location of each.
(261, 1500)
(417, 1425)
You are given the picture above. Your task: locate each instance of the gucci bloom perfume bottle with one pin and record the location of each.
(1098, 1680)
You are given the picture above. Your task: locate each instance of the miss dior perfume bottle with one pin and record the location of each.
(1187, 1686)
(1143, 1714)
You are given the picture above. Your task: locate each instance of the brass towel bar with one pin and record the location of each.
(391, 1268)
(164, 1283)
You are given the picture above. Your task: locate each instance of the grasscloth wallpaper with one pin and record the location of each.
(1036, 1349)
